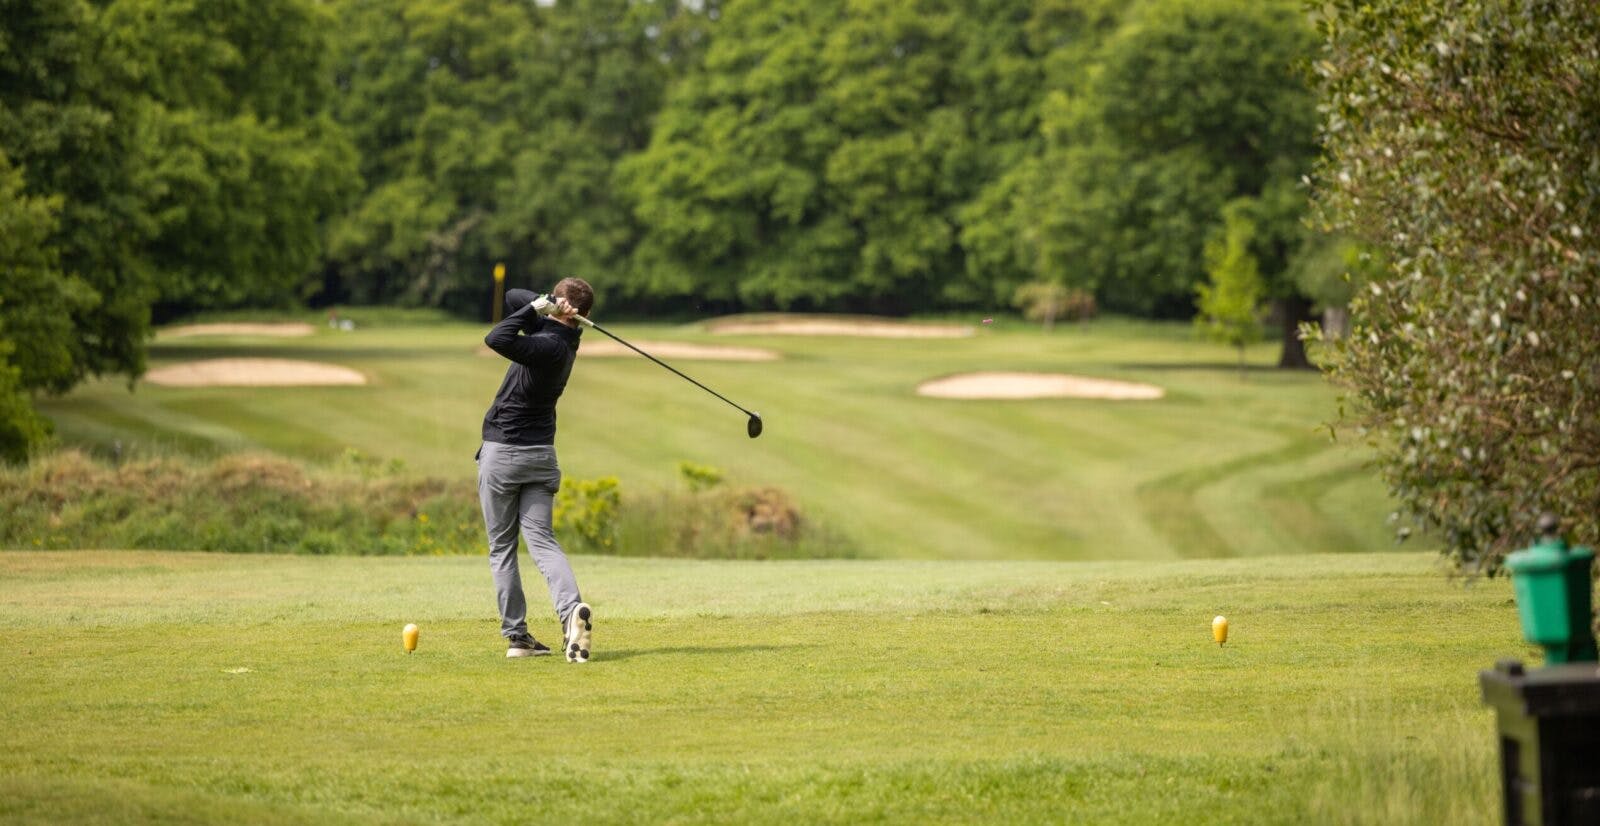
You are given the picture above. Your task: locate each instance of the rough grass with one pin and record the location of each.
(239, 502)
(259, 503)
(159, 687)
(1222, 466)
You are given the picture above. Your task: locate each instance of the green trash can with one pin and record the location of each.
(1554, 588)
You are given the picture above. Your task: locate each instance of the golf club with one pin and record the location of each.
(517, 299)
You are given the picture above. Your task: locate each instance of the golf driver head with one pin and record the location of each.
(753, 427)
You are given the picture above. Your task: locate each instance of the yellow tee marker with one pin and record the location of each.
(1219, 629)
(409, 637)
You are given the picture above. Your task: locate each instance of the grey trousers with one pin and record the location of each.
(517, 486)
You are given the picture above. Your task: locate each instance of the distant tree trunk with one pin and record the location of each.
(1336, 323)
(1292, 311)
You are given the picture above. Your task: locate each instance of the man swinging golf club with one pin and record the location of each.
(517, 471)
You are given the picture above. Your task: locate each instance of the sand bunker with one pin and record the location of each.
(1035, 386)
(859, 326)
(269, 330)
(677, 350)
(253, 373)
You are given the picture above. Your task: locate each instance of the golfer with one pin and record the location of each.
(517, 471)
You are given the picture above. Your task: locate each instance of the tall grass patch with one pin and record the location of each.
(254, 503)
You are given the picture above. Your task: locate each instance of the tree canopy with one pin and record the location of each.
(242, 164)
(824, 151)
(487, 132)
(69, 127)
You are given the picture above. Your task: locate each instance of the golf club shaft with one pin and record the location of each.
(587, 323)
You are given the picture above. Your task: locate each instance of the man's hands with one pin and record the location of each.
(557, 308)
(564, 312)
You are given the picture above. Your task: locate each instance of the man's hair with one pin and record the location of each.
(578, 293)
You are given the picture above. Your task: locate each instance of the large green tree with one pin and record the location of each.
(243, 166)
(152, 151)
(1051, 51)
(32, 287)
(825, 153)
(1183, 108)
(1461, 141)
(730, 189)
(69, 122)
(488, 132)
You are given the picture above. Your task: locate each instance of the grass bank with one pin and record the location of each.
(142, 687)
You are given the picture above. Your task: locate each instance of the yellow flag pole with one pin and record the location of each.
(499, 290)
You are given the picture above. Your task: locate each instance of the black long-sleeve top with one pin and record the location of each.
(524, 410)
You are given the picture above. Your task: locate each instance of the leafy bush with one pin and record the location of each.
(21, 428)
(699, 477)
(1046, 302)
(713, 522)
(587, 508)
(747, 523)
(1461, 137)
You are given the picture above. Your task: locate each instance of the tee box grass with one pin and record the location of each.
(162, 687)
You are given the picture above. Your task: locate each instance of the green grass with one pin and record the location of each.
(168, 687)
(1221, 467)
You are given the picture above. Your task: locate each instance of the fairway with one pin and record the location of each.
(1221, 466)
(142, 685)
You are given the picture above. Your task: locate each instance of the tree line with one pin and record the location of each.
(159, 157)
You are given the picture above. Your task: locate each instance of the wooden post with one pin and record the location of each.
(499, 291)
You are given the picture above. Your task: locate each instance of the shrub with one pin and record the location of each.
(699, 477)
(768, 511)
(1047, 301)
(713, 522)
(1461, 141)
(587, 510)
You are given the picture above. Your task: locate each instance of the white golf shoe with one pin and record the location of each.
(575, 637)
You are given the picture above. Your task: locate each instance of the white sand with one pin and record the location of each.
(1035, 386)
(286, 330)
(857, 326)
(253, 372)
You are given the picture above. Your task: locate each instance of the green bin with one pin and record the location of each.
(1553, 586)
